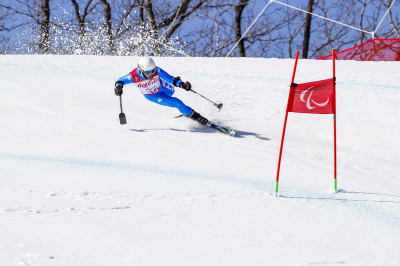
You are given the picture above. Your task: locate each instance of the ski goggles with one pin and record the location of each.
(149, 72)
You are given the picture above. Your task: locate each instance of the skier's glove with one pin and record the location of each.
(186, 86)
(118, 88)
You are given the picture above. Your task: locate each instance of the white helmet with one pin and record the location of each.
(146, 66)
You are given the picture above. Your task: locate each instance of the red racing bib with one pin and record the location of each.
(146, 86)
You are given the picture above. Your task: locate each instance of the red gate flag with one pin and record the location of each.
(313, 97)
(317, 97)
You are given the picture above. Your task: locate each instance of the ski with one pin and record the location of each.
(221, 129)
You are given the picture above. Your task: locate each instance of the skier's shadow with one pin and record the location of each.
(239, 134)
(170, 129)
(242, 134)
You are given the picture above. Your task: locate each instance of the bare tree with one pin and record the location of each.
(293, 28)
(155, 25)
(44, 45)
(220, 30)
(362, 19)
(39, 12)
(165, 20)
(332, 35)
(210, 37)
(81, 16)
(103, 24)
(108, 25)
(238, 26)
(3, 40)
(3, 16)
(393, 21)
(307, 29)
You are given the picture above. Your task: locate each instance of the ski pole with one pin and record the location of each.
(219, 106)
(122, 118)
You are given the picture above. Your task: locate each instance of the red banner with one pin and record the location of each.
(313, 97)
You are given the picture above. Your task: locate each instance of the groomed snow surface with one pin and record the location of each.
(78, 188)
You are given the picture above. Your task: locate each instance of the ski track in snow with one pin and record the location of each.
(142, 168)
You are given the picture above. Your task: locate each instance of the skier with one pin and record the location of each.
(158, 86)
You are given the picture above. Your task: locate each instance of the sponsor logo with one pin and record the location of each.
(309, 100)
(148, 83)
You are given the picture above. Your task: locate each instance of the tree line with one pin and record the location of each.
(192, 27)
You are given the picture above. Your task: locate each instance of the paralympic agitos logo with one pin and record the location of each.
(310, 100)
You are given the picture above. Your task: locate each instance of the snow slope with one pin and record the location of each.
(77, 188)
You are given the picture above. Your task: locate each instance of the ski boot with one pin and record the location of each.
(198, 117)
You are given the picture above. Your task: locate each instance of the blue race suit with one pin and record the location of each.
(159, 89)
